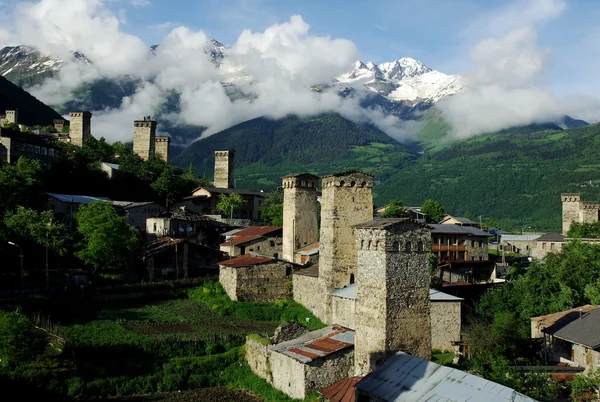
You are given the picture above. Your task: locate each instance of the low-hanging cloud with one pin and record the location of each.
(274, 71)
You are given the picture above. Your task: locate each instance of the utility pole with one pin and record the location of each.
(47, 272)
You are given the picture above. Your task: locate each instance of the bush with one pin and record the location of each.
(20, 341)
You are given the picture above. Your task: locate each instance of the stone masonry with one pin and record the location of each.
(256, 283)
(224, 177)
(144, 138)
(300, 226)
(575, 210)
(12, 116)
(80, 127)
(59, 124)
(393, 307)
(161, 147)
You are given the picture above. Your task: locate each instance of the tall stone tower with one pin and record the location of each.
(161, 147)
(144, 137)
(347, 200)
(224, 168)
(59, 125)
(589, 212)
(571, 205)
(392, 306)
(80, 127)
(12, 116)
(300, 226)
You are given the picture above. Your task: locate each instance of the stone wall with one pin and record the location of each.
(585, 357)
(323, 372)
(162, 149)
(543, 248)
(393, 306)
(258, 357)
(477, 250)
(300, 226)
(11, 116)
(144, 138)
(224, 177)
(258, 283)
(589, 211)
(343, 312)
(305, 290)
(80, 127)
(228, 279)
(445, 324)
(12, 148)
(268, 246)
(288, 375)
(570, 210)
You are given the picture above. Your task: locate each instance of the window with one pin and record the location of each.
(351, 279)
(258, 248)
(395, 246)
(551, 246)
(420, 247)
(408, 247)
(272, 243)
(369, 245)
(154, 227)
(472, 243)
(480, 258)
(543, 246)
(276, 256)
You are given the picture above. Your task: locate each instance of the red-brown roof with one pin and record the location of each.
(309, 247)
(551, 319)
(342, 391)
(245, 261)
(251, 233)
(317, 344)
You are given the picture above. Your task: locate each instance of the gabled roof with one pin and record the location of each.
(214, 190)
(252, 233)
(584, 331)
(511, 237)
(245, 260)
(131, 204)
(409, 378)
(184, 214)
(111, 165)
(457, 229)
(77, 199)
(312, 271)
(316, 344)
(553, 236)
(459, 219)
(165, 243)
(311, 249)
(569, 315)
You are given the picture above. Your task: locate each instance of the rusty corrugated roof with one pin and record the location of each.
(245, 261)
(251, 233)
(317, 344)
(342, 391)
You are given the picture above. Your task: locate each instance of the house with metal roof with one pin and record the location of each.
(411, 379)
(109, 168)
(571, 337)
(459, 243)
(265, 240)
(457, 220)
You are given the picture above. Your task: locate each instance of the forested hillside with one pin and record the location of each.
(514, 177)
(267, 149)
(31, 111)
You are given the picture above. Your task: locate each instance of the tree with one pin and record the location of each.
(584, 230)
(395, 209)
(165, 185)
(38, 227)
(272, 208)
(19, 339)
(231, 204)
(433, 209)
(108, 241)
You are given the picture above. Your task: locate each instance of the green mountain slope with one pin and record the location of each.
(510, 176)
(267, 149)
(31, 111)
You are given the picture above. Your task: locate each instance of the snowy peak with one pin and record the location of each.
(405, 79)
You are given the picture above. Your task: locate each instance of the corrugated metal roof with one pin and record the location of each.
(460, 219)
(245, 260)
(111, 165)
(411, 379)
(511, 237)
(341, 391)
(250, 234)
(316, 344)
(350, 291)
(552, 236)
(436, 295)
(457, 229)
(311, 249)
(77, 199)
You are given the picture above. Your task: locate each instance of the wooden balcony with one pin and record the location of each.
(444, 247)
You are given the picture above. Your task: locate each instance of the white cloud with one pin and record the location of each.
(140, 3)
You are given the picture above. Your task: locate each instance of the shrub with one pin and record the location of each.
(20, 341)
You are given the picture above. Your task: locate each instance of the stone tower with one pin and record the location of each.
(224, 168)
(392, 306)
(80, 127)
(300, 227)
(571, 204)
(144, 137)
(347, 200)
(588, 212)
(161, 147)
(59, 125)
(12, 116)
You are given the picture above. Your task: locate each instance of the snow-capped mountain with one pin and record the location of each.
(404, 79)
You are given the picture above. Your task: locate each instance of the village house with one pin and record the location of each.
(181, 222)
(110, 169)
(136, 213)
(255, 278)
(15, 144)
(575, 210)
(411, 212)
(460, 221)
(170, 258)
(263, 240)
(571, 337)
(64, 205)
(452, 242)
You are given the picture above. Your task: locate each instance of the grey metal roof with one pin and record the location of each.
(111, 165)
(350, 291)
(552, 236)
(383, 223)
(77, 199)
(584, 330)
(511, 237)
(436, 295)
(457, 229)
(411, 379)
